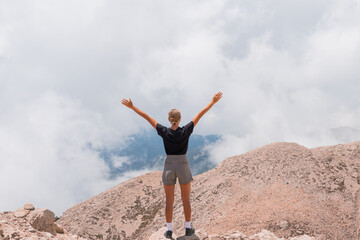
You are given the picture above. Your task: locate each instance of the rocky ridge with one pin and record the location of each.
(281, 191)
(231, 235)
(28, 223)
(285, 188)
(32, 224)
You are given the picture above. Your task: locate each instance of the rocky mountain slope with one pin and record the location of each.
(31, 224)
(282, 187)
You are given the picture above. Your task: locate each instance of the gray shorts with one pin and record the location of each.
(176, 166)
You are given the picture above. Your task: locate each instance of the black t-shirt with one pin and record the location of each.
(175, 141)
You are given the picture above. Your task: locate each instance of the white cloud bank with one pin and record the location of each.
(49, 154)
(288, 69)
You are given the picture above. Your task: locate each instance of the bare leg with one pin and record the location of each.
(185, 196)
(169, 193)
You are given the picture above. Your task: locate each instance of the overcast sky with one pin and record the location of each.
(289, 71)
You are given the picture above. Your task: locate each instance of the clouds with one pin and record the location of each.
(288, 71)
(48, 155)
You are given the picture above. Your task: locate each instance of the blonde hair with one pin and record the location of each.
(174, 116)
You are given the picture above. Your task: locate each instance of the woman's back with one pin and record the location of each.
(175, 141)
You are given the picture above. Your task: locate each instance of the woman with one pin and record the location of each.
(176, 164)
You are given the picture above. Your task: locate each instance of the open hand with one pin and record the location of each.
(127, 103)
(217, 97)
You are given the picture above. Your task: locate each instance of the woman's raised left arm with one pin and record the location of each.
(129, 104)
(215, 99)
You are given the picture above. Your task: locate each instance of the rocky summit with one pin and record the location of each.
(278, 191)
(281, 191)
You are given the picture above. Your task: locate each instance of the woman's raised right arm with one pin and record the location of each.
(215, 99)
(143, 114)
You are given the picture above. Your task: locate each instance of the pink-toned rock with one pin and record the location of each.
(159, 235)
(29, 206)
(21, 212)
(32, 230)
(58, 229)
(303, 237)
(357, 201)
(201, 233)
(43, 220)
(230, 235)
(265, 235)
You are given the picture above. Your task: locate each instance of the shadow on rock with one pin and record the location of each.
(192, 237)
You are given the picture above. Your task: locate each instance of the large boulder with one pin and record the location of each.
(43, 220)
